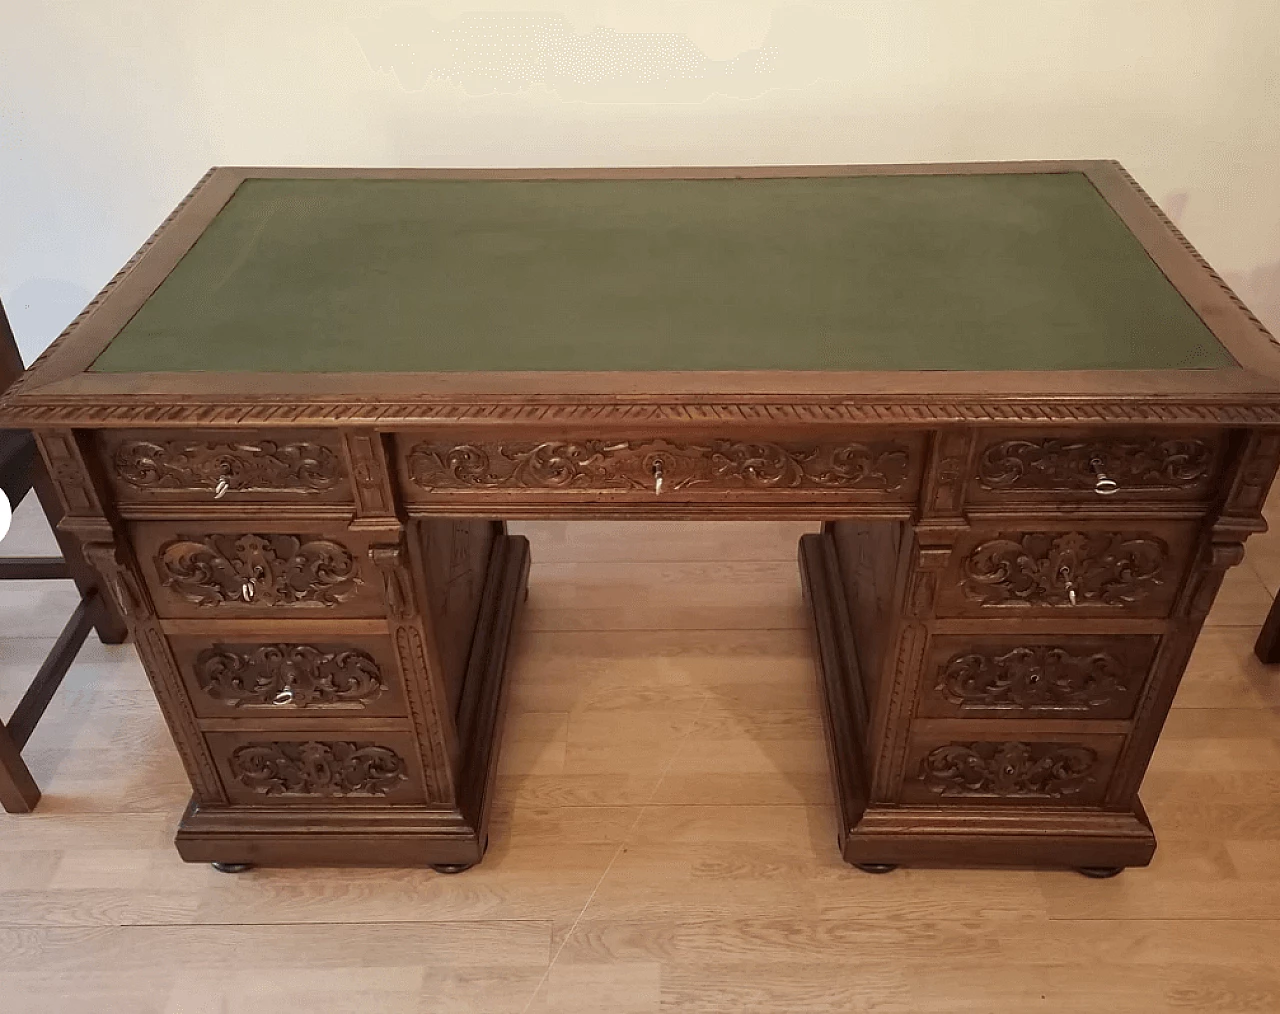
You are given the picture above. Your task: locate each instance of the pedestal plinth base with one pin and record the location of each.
(975, 834)
(335, 835)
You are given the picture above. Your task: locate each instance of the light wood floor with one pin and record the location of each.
(664, 836)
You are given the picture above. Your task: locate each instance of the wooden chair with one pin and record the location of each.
(21, 470)
(1267, 646)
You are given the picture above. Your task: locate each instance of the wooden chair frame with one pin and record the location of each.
(21, 471)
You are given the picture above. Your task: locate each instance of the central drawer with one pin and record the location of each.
(221, 569)
(853, 467)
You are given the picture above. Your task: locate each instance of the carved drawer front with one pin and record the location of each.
(1049, 569)
(223, 569)
(1017, 676)
(1017, 769)
(859, 467)
(232, 466)
(285, 678)
(1092, 466)
(346, 767)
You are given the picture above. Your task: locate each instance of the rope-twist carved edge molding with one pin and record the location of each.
(170, 410)
(1195, 254)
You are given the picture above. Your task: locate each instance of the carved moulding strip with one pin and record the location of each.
(632, 465)
(153, 648)
(1044, 568)
(426, 714)
(1049, 770)
(118, 578)
(913, 636)
(1034, 677)
(76, 411)
(950, 456)
(389, 559)
(257, 466)
(309, 676)
(318, 769)
(1054, 463)
(67, 468)
(368, 469)
(260, 570)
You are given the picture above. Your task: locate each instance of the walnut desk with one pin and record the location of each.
(1036, 426)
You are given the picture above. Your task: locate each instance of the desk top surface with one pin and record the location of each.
(1001, 291)
(1030, 271)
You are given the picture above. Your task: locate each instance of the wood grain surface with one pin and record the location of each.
(662, 837)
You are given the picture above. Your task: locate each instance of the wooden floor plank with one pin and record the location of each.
(663, 836)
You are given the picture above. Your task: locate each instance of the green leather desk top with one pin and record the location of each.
(947, 272)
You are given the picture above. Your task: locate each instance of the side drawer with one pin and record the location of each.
(279, 677)
(854, 467)
(305, 768)
(232, 466)
(218, 569)
(1102, 466)
(1034, 676)
(1041, 567)
(1018, 769)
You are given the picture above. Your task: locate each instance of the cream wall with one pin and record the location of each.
(110, 111)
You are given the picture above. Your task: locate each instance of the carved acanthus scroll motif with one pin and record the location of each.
(257, 466)
(1059, 569)
(1008, 769)
(1055, 463)
(1034, 677)
(299, 675)
(318, 769)
(630, 465)
(260, 570)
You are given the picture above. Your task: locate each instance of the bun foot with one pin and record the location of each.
(876, 867)
(1100, 872)
(232, 867)
(451, 867)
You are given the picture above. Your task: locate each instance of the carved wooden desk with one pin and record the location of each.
(1036, 426)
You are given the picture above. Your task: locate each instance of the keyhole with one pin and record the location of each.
(657, 477)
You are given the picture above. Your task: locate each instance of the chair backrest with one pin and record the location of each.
(17, 449)
(10, 358)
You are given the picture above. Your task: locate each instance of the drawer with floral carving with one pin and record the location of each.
(1014, 769)
(858, 467)
(154, 467)
(1045, 568)
(1097, 466)
(1034, 676)
(347, 767)
(218, 569)
(286, 677)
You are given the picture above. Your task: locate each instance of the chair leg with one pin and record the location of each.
(1267, 647)
(18, 790)
(22, 722)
